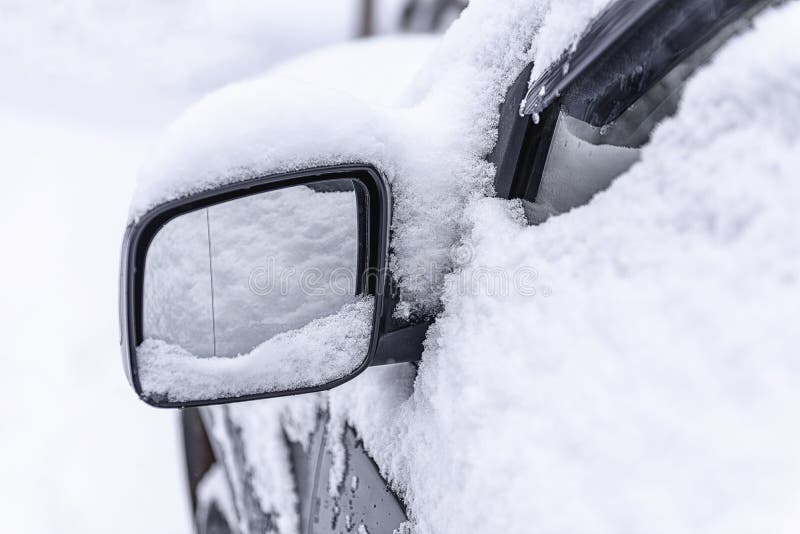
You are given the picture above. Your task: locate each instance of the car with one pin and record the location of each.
(323, 255)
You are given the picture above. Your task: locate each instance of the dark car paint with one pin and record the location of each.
(363, 497)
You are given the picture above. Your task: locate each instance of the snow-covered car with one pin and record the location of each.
(533, 201)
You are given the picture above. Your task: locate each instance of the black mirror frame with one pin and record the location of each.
(374, 242)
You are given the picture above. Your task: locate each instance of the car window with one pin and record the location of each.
(585, 155)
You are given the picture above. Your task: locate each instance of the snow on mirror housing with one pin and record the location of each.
(259, 289)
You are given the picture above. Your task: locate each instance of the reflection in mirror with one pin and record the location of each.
(255, 294)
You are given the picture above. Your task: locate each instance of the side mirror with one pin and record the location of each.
(263, 288)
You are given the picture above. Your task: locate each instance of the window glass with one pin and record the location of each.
(584, 159)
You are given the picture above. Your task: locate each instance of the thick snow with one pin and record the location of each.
(651, 382)
(646, 379)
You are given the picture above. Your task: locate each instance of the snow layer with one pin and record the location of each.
(324, 350)
(430, 144)
(649, 383)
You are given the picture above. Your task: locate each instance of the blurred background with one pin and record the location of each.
(86, 87)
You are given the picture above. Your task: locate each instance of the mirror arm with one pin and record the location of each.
(403, 345)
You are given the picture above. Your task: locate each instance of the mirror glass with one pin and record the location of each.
(255, 294)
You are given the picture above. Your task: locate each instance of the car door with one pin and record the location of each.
(359, 500)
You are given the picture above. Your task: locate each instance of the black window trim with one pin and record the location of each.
(624, 25)
(521, 151)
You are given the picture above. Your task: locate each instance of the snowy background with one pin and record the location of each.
(86, 87)
(661, 395)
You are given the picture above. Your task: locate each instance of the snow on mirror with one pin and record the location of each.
(255, 295)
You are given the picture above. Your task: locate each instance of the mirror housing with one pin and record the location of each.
(390, 340)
